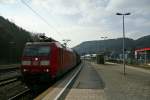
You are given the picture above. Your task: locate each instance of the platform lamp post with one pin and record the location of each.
(105, 37)
(123, 14)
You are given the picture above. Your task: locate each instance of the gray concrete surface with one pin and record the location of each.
(107, 82)
(88, 78)
(88, 85)
(135, 85)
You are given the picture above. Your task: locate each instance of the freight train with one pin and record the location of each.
(43, 62)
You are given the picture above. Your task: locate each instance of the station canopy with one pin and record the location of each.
(142, 49)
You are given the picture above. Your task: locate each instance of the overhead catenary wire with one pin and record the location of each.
(42, 18)
(57, 24)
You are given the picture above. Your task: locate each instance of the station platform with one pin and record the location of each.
(87, 86)
(108, 82)
(134, 85)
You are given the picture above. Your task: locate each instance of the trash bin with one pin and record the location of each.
(100, 59)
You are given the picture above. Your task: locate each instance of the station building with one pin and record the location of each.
(143, 55)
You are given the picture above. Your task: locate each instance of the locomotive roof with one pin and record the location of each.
(40, 43)
(48, 43)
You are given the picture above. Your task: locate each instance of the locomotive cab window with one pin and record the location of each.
(37, 51)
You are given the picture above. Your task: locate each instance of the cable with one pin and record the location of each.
(43, 19)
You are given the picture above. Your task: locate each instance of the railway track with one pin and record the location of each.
(60, 95)
(20, 95)
(6, 70)
(61, 88)
(9, 75)
(9, 80)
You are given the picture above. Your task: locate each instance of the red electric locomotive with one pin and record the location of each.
(45, 61)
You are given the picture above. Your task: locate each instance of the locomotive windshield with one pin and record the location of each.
(37, 51)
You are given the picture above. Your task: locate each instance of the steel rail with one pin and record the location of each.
(19, 94)
(8, 70)
(9, 80)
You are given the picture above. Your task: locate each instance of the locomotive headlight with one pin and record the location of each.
(44, 63)
(47, 70)
(26, 62)
(24, 70)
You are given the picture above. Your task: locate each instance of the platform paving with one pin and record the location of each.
(88, 85)
(135, 85)
(107, 82)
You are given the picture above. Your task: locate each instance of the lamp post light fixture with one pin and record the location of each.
(104, 37)
(123, 26)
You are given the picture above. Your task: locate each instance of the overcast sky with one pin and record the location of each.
(80, 20)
